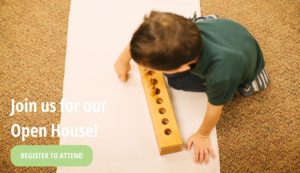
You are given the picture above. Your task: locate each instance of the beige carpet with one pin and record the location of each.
(257, 134)
(262, 133)
(32, 57)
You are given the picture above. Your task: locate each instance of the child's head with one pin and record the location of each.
(166, 42)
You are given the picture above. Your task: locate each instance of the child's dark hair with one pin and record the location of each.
(165, 41)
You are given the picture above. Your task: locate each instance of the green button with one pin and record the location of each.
(51, 155)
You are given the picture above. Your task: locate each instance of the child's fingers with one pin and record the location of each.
(201, 155)
(119, 75)
(196, 155)
(206, 156)
(123, 77)
(189, 145)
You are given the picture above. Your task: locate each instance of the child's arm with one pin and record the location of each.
(201, 139)
(122, 65)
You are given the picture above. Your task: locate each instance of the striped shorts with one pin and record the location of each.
(260, 83)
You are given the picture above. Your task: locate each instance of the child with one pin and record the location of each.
(216, 56)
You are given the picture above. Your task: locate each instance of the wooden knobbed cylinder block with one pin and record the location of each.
(163, 118)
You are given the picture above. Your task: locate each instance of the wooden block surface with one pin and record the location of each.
(163, 118)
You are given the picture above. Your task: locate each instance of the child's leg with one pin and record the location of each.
(186, 81)
(195, 18)
(260, 83)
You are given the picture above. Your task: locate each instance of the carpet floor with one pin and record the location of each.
(33, 36)
(262, 133)
(256, 134)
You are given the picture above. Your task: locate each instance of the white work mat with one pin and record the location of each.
(98, 32)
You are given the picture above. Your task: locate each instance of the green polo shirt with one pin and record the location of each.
(230, 57)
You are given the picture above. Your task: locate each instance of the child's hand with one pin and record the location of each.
(122, 68)
(202, 148)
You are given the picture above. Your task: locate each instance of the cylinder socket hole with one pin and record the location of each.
(159, 100)
(150, 73)
(165, 121)
(157, 91)
(162, 110)
(153, 81)
(168, 131)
